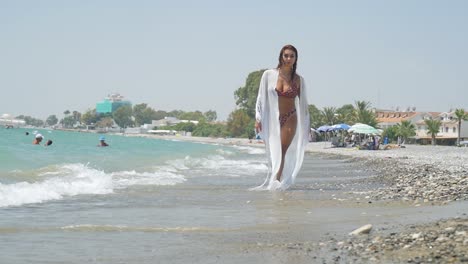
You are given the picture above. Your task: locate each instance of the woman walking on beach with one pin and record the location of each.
(282, 119)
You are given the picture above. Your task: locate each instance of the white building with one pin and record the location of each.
(448, 130)
(170, 121)
(9, 121)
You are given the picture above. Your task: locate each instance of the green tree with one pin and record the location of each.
(194, 116)
(239, 124)
(185, 126)
(204, 129)
(159, 115)
(52, 120)
(315, 116)
(210, 115)
(123, 116)
(433, 126)
(328, 114)
(105, 122)
(89, 117)
(31, 121)
(246, 97)
(345, 114)
(391, 133)
(405, 129)
(364, 114)
(66, 112)
(460, 115)
(76, 116)
(143, 114)
(175, 113)
(68, 121)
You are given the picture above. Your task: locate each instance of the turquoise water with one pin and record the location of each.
(146, 200)
(74, 165)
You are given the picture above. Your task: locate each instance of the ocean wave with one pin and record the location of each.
(82, 180)
(217, 165)
(123, 179)
(250, 150)
(62, 181)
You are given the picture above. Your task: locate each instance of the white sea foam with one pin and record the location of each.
(76, 179)
(251, 150)
(123, 179)
(217, 165)
(81, 180)
(225, 152)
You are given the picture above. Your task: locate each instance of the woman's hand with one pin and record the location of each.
(258, 126)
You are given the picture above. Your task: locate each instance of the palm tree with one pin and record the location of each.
(405, 129)
(315, 116)
(364, 114)
(345, 114)
(76, 116)
(433, 126)
(461, 115)
(328, 114)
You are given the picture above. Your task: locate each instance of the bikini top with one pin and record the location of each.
(292, 92)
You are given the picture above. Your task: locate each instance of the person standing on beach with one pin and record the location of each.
(282, 120)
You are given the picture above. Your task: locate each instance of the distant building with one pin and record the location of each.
(386, 118)
(9, 121)
(111, 103)
(448, 131)
(169, 121)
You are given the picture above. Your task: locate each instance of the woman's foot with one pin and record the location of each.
(275, 185)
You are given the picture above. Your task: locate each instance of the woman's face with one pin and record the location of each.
(289, 57)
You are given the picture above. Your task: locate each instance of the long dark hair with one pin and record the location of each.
(280, 59)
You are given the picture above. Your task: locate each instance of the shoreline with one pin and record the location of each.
(416, 175)
(415, 198)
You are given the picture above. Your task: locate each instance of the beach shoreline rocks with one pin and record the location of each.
(418, 174)
(421, 175)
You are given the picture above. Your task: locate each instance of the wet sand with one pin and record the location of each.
(414, 197)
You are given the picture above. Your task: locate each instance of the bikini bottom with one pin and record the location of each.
(284, 117)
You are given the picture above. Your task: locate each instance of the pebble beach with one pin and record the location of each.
(419, 176)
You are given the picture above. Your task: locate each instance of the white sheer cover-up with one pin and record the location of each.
(267, 112)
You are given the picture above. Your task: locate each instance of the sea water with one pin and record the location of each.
(75, 167)
(57, 200)
(144, 200)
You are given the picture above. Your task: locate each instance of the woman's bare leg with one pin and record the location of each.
(287, 135)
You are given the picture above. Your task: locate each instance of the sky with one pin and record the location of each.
(192, 55)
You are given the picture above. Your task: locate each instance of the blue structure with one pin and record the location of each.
(111, 103)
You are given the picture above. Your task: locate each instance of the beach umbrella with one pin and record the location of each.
(324, 128)
(340, 127)
(363, 129)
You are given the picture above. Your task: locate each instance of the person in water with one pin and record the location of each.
(102, 142)
(38, 139)
(282, 120)
(48, 143)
